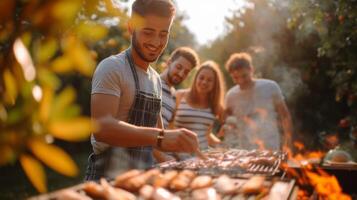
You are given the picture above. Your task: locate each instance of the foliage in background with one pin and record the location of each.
(41, 43)
(309, 48)
(333, 25)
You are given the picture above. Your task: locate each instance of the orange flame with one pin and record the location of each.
(325, 185)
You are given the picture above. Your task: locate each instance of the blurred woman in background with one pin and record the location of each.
(199, 106)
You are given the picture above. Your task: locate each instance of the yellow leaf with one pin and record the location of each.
(79, 55)
(34, 172)
(48, 79)
(54, 157)
(62, 64)
(10, 87)
(45, 50)
(46, 103)
(66, 10)
(64, 99)
(70, 112)
(91, 31)
(72, 130)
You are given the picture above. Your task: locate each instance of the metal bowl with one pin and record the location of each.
(338, 156)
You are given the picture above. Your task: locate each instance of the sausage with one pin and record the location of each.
(205, 194)
(136, 182)
(69, 194)
(182, 180)
(146, 192)
(201, 182)
(94, 190)
(225, 185)
(253, 186)
(112, 193)
(163, 180)
(120, 179)
(163, 194)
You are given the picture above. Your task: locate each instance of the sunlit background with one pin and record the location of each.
(49, 50)
(205, 19)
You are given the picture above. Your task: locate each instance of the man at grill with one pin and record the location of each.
(126, 98)
(259, 107)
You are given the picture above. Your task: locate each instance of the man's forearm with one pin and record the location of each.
(119, 133)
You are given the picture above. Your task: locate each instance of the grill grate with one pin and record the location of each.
(234, 162)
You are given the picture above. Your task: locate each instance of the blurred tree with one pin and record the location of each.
(41, 42)
(49, 50)
(333, 26)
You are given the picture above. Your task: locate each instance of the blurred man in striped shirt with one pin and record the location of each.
(179, 65)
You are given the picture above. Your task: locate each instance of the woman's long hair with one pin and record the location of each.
(215, 98)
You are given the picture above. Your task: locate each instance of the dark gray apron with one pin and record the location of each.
(145, 112)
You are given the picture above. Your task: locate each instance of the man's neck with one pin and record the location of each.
(250, 85)
(138, 61)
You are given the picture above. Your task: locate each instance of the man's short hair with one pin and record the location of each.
(162, 8)
(187, 53)
(238, 61)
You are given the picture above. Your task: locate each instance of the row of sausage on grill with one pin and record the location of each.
(171, 184)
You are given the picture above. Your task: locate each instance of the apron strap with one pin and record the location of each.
(133, 70)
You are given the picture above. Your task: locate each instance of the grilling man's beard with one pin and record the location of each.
(138, 50)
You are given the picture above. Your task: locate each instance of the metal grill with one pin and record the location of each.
(234, 162)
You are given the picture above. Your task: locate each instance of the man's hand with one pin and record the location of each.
(213, 140)
(180, 140)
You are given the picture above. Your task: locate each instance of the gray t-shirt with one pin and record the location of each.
(113, 76)
(255, 110)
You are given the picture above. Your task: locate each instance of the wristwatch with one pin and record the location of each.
(159, 138)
